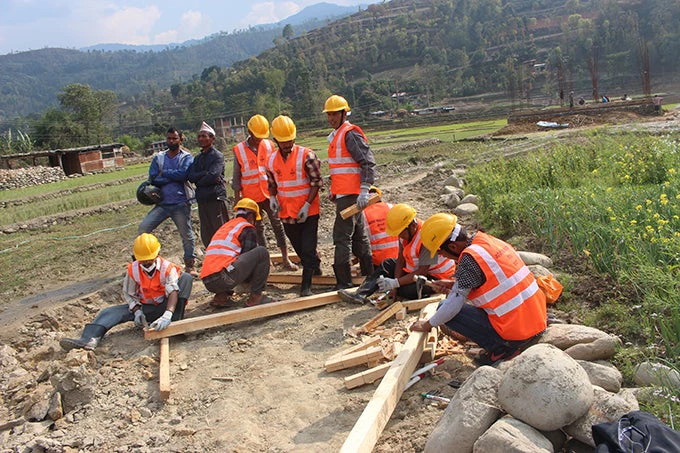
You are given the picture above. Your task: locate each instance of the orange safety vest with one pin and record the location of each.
(152, 289)
(383, 246)
(510, 295)
(253, 175)
(224, 247)
(292, 182)
(345, 171)
(443, 268)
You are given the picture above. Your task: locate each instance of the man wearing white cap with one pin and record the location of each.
(207, 172)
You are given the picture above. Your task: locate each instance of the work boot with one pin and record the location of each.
(306, 287)
(360, 296)
(88, 340)
(352, 297)
(190, 269)
(343, 276)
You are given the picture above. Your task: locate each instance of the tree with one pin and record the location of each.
(89, 108)
(288, 32)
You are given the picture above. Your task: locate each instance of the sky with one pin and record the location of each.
(35, 24)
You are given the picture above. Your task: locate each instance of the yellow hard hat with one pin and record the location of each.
(146, 247)
(259, 126)
(398, 218)
(436, 230)
(283, 129)
(249, 204)
(374, 189)
(335, 103)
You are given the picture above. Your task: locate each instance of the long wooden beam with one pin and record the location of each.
(243, 314)
(164, 369)
(296, 279)
(365, 356)
(278, 258)
(370, 341)
(378, 411)
(382, 317)
(418, 304)
(367, 376)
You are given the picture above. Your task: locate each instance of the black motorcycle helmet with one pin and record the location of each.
(148, 194)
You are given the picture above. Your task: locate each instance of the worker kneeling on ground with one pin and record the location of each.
(397, 276)
(233, 257)
(155, 290)
(506, 311)
(383, 246)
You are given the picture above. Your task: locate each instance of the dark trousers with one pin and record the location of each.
(212, 215)
(251, 267)
(473, 323)
(303, 237)
(349, 235)
(275, 223)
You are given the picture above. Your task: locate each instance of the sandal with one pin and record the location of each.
(263, 300)
(221, 300)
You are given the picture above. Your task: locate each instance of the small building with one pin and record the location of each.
(231, 129)
(82, 160)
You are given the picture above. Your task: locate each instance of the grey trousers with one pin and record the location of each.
(251, 267)
(349, 235)
(275, 223)
(212, 215)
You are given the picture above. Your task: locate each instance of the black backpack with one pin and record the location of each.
(636, 432)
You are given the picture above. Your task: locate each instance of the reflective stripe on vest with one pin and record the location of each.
(345, 171)
(251, 173)
(510, 295)
(292, 182)
(383, 246)
(443, 268)
(224, 247)
(151, 289)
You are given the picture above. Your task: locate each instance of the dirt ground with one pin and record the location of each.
(252, 386)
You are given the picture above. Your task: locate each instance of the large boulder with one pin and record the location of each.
(606, 376)
(471, 411)
(564, 336)
(606, 407)
(466, 209)
(649, 373)
(510, 435)
(545, 388)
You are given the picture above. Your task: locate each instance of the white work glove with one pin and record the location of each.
(362, 199)
(304, 212)
(387, 284)
(163, 322)
(274, 204)
(140, 319)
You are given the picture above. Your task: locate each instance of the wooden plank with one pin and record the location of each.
(354, 359)
(367, 429)
(371, 341)
(401, 314)
(366, 377)
(354, 209)
(164, 369)
(277, 258)
(419, 304)
(382, 317)
(296, 279)
(430, 347)
(243, 314)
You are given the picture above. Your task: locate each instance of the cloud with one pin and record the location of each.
(269, 12)
(130, 25)
(192, 20)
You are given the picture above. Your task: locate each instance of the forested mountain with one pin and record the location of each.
(30, 81)
(439, 49)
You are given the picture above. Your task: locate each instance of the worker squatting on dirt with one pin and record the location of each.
(169, 170)
(155, 290)
(397, 276)
(352, 171)
(294, 180)
(507, 310)
(383, 246)
(250, 180)
(207, 172)
(233, 256)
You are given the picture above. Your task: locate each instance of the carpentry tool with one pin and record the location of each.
(434, 396)
(421, 281)
(420, 373)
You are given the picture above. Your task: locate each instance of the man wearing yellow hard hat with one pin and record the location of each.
(352, 171)
(234, 256)
(397, 276)
(294, 180)
(506, 309)
(250, 180)
(155, 290)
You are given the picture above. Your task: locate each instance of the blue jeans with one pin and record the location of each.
(473, 323)
(181, 215)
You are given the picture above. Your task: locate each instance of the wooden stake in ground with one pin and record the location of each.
(354, 209)
(243, 314)
(372, 421)
(164, 369)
